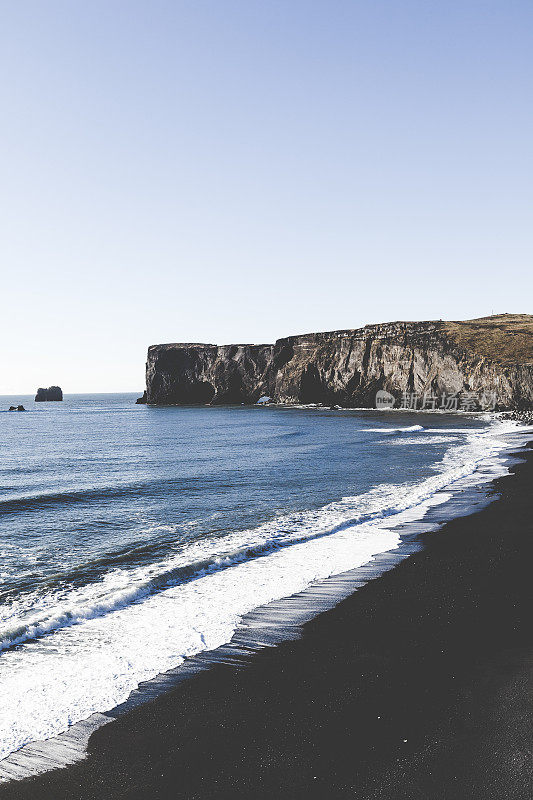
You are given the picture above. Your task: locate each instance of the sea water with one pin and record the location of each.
(132, 537)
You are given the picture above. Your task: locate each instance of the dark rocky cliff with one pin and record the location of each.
(491, 357)
(207, 373)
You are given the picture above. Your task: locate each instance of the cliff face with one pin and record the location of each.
(188, 374)
(348, 367)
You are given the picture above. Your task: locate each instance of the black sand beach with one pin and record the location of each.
(419, 685)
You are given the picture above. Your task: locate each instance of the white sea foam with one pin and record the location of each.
(86, 649)
(407, 429)
(424, 440)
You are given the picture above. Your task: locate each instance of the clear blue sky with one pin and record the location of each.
(240, 170)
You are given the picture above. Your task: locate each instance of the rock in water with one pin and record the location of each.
(52, 393)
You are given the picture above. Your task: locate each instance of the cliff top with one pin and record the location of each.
(503, 338)
(506, 338)
(187, 345)
(184, 345)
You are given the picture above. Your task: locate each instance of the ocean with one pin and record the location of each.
(132, 537)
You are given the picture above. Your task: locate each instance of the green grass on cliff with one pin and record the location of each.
(507, 338)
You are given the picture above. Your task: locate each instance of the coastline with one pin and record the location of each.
(212, 704)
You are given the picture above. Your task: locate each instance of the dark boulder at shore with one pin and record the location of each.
(17, 408)
(525, 417)
(47, 395)
(142, 400)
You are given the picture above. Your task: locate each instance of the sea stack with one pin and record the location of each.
(52, 393)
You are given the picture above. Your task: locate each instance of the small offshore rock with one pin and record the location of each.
(53, 393)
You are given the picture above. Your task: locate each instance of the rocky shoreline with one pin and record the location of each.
(525, 417)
